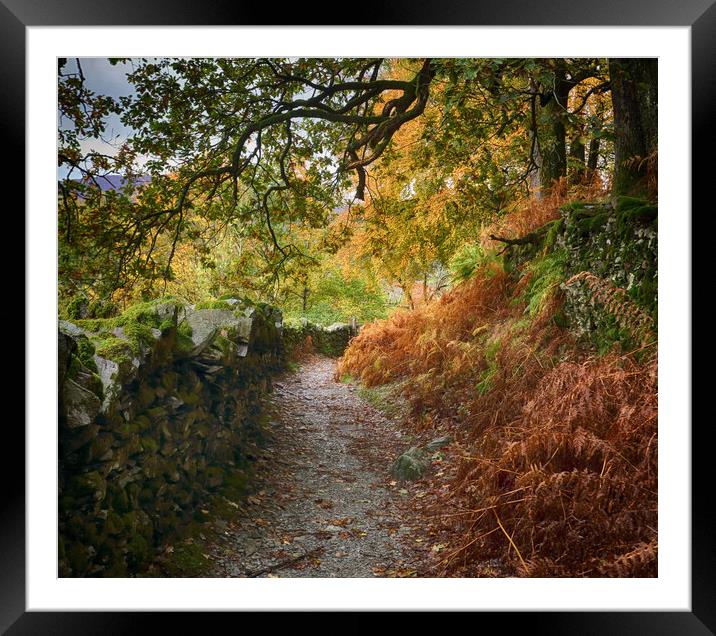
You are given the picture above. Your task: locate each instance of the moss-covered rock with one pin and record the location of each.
(411, 465)
(90, 484)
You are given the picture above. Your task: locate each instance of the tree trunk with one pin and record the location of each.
(634, 100)
(407, 287)
(535, 172)
(305, 299)
(576, 159)
(553, 144)
(593, 157)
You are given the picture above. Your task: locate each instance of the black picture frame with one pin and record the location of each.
(16, 15)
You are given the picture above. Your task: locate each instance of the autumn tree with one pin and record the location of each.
(256, 138)
(262, 154)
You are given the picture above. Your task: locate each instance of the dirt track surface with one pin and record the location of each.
(324, 504)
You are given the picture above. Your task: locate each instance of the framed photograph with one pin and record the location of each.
(314, 150)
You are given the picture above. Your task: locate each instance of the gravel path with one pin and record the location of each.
(324, 504)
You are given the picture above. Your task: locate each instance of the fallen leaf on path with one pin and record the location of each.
(341, 522)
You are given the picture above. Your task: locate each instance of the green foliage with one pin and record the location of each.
(213, 304)
(199, 228)
(546, 273)
(609, 336)
(333, 297)
(74, 308)
(484, 384)
(554, 229)
(469, 258)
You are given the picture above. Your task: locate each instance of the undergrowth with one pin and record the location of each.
(558, 444)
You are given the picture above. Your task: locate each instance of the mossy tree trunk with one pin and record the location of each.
(634, 99)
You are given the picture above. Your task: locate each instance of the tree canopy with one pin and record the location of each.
(268, 176)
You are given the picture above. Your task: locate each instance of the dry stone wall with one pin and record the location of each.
(618, 244)
(158, 409)
(331, 341)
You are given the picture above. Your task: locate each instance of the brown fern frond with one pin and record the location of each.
(639, 562)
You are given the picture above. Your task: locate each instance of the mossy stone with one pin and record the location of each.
(157, 413)
(90, 484)
(145, 395)
(113, 524)
(138, 551)
(214, 477)
(411, 465)
(149, 444)
(142, 423)
(120, 499)
(78, 558)
(99, 446)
